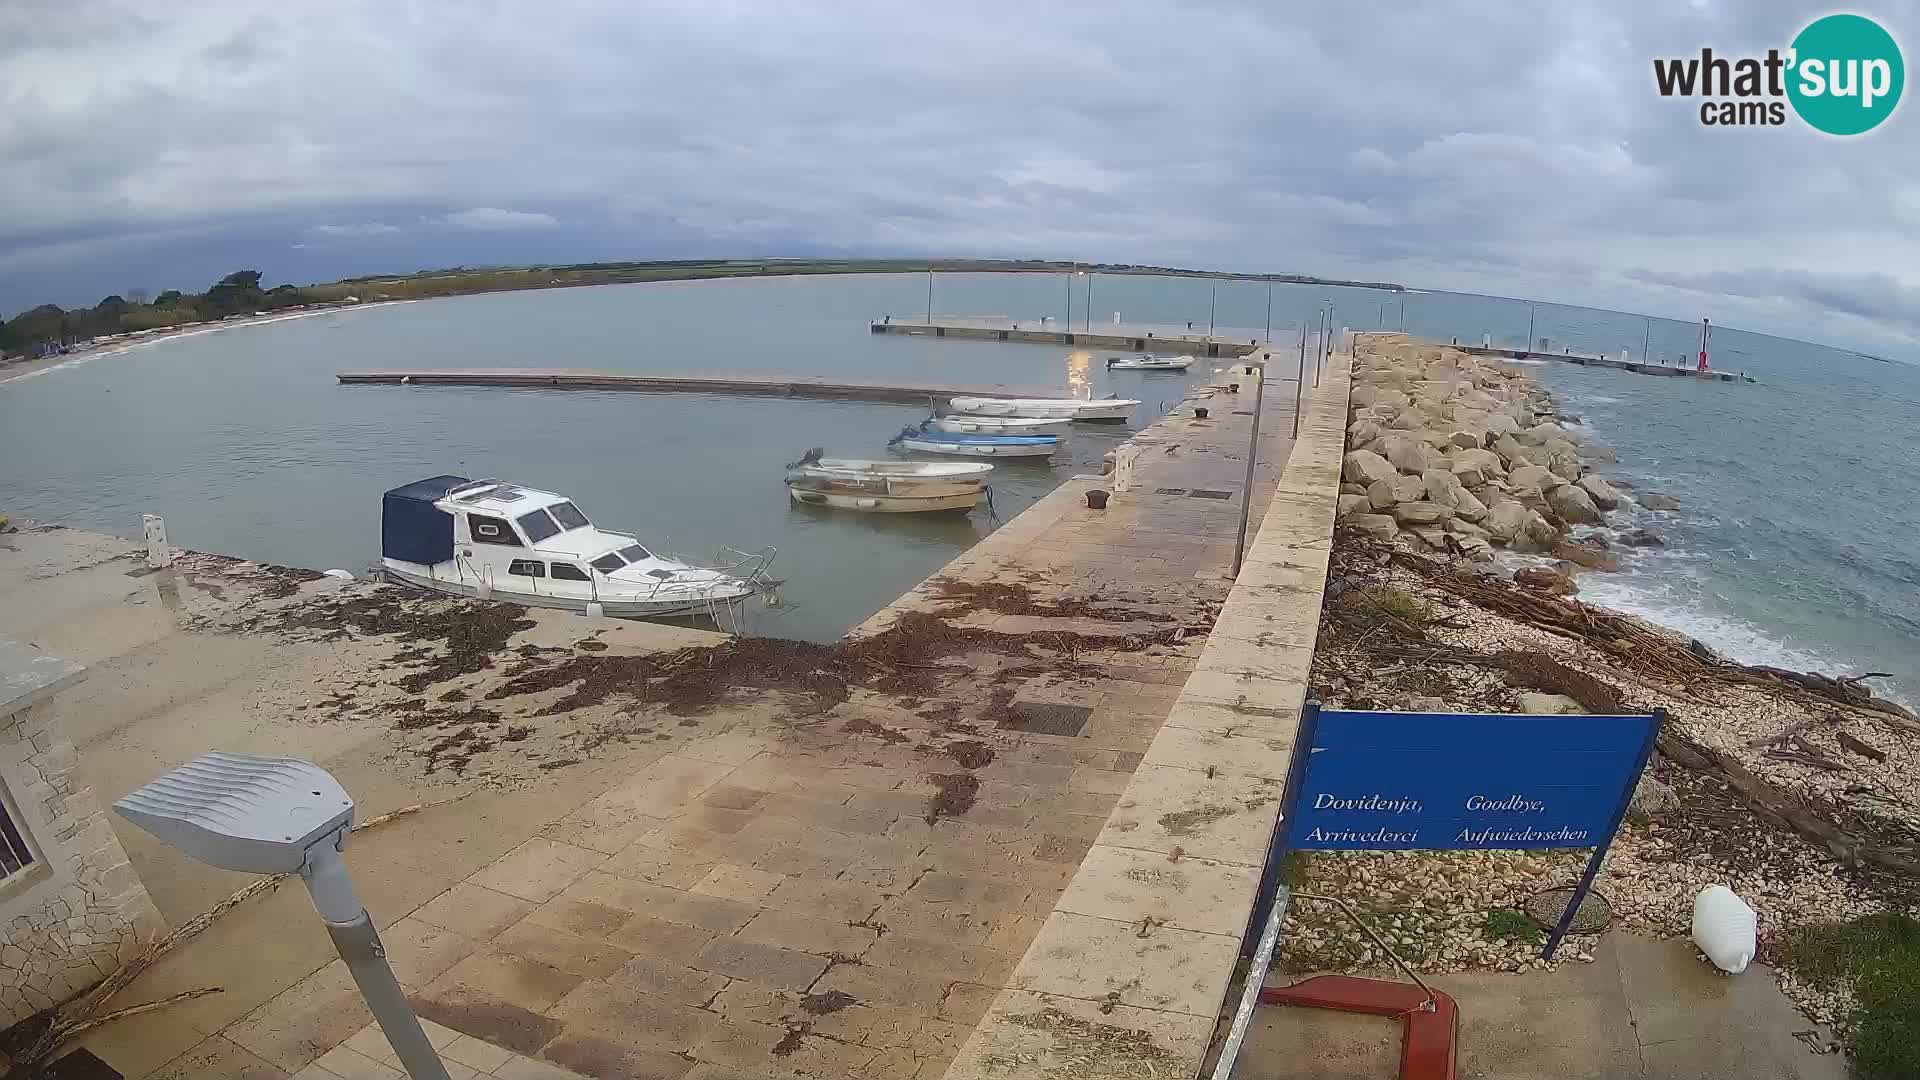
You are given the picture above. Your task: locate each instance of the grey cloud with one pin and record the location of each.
(1450, 145)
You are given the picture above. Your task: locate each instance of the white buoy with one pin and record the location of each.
(1724, 928)
(594, 610)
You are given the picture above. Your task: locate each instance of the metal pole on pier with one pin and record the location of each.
(1529, 345)
(1269, 336)
(1646, 343)
(1069, 323)
(1090, 278)
(1212, 301)
(1300, 378)
(1253, 454)
(929, 296)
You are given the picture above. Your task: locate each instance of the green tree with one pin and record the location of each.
(170, 298)
(237, 292)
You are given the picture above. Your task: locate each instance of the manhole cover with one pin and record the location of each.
(1547, 907)
(1047, 718)
(1203, 493)
(1169, 491)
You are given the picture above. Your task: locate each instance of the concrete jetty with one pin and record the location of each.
(748, 385)
(838, 874)
(1126, 338)
(1614, 362)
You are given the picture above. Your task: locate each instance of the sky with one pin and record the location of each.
(1519, 150)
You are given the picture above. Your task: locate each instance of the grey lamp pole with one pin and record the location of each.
(1269, 336)
(264, 815)
(1090, 278)
(1069, 322)
(1253, 453)
(929, 297)
(1213, 302)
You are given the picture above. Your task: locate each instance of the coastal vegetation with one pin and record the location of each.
(1878, 958)
(240, 293)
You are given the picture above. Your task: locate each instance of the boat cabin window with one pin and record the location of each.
(527, 568)
(538, 525)
(568, 515)
(634, 553)
(569, 572)
(491, 530)
(609, 562)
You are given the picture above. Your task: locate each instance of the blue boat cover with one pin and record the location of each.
(412, 529)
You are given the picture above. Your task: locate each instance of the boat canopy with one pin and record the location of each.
(414, 530)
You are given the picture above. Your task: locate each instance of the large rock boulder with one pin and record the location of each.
(1543, 579)
(1538, 534)
(1585, 555)
(1354, 504)
(1505, 520)
(1379, 525)
(1445, 488)
(1466, 440)
(1530, 480)
(1387, 494)
(1574, 505)
(1421, 513)
(1460, 526)
(1643, 538)
(1499, 423)
(1365, 467)
(1476, 548)
(1600, 492)
(1407, 455)
(1348, 487)
(1512, 452)
(1538, 434)
(1476, 467)
(1653, 500)
(1362, 432)
(1377, 397)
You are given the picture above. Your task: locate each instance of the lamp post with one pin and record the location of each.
(1269, 336)
(929, 297)
(1090, 278)
(1300, 379)
(1213, 302)
(263, 815)
(1253, 452)
(1069, 321)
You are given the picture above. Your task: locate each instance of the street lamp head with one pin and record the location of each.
(258, 815)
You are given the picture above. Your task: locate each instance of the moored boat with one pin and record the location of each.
(497, 541)
(1149, 362)
(1047, 408)
(886, 487)
(941, 442)
(996, 425)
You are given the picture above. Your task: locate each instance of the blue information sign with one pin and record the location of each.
(1407, 781)
(1386, 781)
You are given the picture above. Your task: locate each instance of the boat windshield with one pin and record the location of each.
(634, 553)
(537, 525)
(568, 515)
(609, 562)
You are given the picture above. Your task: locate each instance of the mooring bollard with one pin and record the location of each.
(159, 552)
(1199, 412)
(1096, 500)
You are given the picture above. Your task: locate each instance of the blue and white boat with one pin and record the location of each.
(930, 441)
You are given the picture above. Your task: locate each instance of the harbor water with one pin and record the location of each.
(1794, 545)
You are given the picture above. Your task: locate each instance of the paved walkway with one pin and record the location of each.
(763, 891)
(1644, 1009)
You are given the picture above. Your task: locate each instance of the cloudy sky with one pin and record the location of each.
(1513, 149)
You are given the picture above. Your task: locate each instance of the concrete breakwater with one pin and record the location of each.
(577, 379)
(1135, 339)
(1617, 363)
(1460, 455)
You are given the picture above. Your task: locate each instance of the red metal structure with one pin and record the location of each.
(1427, 1045)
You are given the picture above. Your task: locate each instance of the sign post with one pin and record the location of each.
(1386, 781)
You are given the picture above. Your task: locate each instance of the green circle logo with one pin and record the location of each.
(1847, 74)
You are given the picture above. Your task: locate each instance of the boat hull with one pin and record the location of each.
(933, 444)
(612, 607)
(996, 425)
(1112, 409)
(887, 504)
(1150, 365)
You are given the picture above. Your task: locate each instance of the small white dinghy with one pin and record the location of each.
(496, 541)
(996, 425)
(1147, 362)
(886, 487)
(1047, 408)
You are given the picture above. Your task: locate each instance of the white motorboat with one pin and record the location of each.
(886, 487)
(1148, 362)
(498, 541)
(996, 425)
(940, 442)
(1111, 408)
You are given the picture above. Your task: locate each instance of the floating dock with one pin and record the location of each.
(1132, 339)
(751, 386)
(1587, 360)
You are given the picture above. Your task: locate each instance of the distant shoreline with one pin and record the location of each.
(30, 368)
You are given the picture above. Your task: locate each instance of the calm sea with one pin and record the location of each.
(1795, 545)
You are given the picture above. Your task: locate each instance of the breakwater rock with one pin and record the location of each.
(1458, 454)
